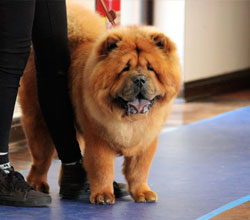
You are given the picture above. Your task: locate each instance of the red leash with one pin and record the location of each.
(111, 15)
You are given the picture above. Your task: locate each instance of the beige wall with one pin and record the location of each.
(217, 37)
(169, 17)
(130, 12)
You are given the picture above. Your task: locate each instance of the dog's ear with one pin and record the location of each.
(109, 44)
(162, 42)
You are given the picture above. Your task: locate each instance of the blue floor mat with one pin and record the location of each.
(197, 169)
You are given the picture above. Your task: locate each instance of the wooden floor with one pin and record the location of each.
(182, 113)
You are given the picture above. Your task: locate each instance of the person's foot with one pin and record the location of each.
(74, 184)
(120, 189)
(15, 191)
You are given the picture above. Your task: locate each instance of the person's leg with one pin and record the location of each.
(15, 42)
(52, 58)
(15, 39)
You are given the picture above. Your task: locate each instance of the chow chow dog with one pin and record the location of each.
(122, 85)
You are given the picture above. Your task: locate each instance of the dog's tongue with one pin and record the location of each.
(139, 106)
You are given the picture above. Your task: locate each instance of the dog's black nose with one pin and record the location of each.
(139, 80)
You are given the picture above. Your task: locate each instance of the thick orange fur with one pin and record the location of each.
(96, 79)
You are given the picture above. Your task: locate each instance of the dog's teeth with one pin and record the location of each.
(145, 109)
(132, 110)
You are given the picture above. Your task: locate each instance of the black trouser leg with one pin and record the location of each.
(16, 18)
(52, 59)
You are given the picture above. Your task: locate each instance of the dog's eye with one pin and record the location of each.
(126, 68)
(150, 68)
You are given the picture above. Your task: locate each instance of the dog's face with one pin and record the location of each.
(135, 70)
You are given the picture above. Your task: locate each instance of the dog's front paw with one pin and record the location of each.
(37, 180)
(39, 184)
(145, 196)
(102, 198)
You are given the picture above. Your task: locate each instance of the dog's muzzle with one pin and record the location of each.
(136, 102)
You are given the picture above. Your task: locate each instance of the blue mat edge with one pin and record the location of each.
(225, 208)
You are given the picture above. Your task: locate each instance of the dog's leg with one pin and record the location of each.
(39, 141)
(42, 151)
(99, 163)
(136, 169)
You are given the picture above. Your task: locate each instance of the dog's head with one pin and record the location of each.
(134, 69)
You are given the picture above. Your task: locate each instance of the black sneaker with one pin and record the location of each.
(120, 189)
(74, 184)
(15, 191)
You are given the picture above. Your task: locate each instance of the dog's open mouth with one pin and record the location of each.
(139, 105)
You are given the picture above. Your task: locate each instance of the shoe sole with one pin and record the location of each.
(27, 203)
(74, 195)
